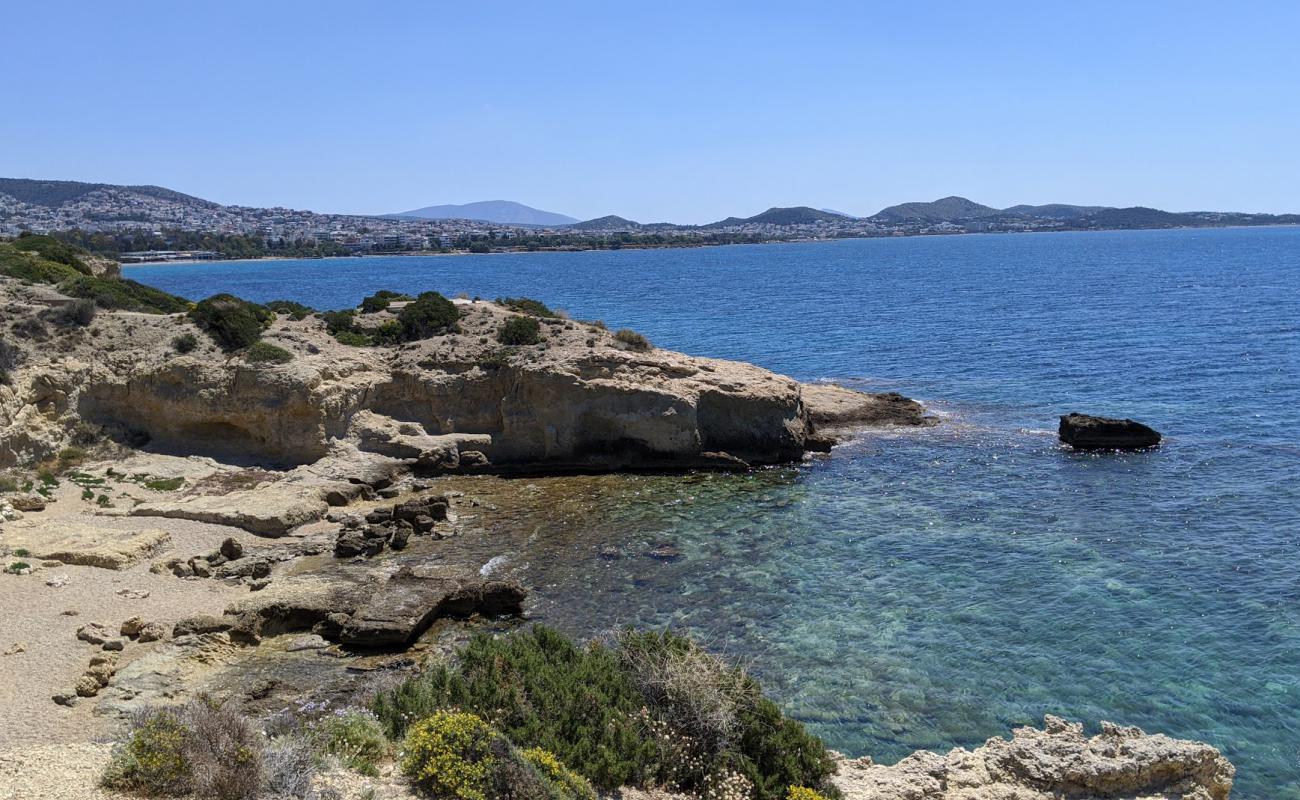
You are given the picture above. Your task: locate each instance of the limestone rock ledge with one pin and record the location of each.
(1056, 762)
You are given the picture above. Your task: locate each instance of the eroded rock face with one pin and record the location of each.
(84, 544)
(836, 409)
(1050, 764)
(1086, 432)
(581, 401)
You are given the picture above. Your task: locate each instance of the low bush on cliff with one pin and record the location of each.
(428, 315)
(353, 736)
(123, 294)
(74, 314)
(632, 339)
(267, 353)
(520, 330)
(458, 756)
(185, 343)
(51, 249)
(202, 747)
(381, 300)
(527, 305)
(232, 323)
(33, 268)
(651, 709)
(293, 310)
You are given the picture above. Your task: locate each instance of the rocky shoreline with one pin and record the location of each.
(281, 532)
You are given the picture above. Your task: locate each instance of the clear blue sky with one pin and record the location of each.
(685, 112)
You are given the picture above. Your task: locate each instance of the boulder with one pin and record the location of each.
(71, 542)
(835, 408)
(152, 632)
(1056, 762)
(1086, 432)
(231, 550)
(408, 603)
(131, 628)
(94, 633)
(26, 502)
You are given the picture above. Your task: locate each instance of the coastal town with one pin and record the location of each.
(151, 223)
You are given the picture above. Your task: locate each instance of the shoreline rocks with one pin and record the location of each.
(1055, 762)
(1087, 432)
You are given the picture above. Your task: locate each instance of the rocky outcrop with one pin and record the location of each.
(85, 544)
(836, 409)
(1086, 432)
(408, 603)
(581, 400)
(1050, 764)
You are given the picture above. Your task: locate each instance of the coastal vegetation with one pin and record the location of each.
(266, 353)
(646, 709)
(123, 294)
(527, 305)
(520, 331)
(113, 244)
(381, 300)
(632, 339)
(231, 322)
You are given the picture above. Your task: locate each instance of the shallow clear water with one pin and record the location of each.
(930, 589)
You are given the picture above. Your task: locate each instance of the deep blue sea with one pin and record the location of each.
(934, 588)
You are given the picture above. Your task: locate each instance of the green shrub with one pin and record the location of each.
(28, 267)
(450, 755)
(389, 333)
(77, 313)
(8, 484)
(540, 690)
(381, 300)
(337, 322)
(22, 552)
(519, 331)
(152, 761)
(655, 709)
(17, 567)
(353, 338)
(632, 339)
(232, 323)
(185, 343)
(355, 737)
(566, 783)
(123, 294)
(427, 315)
(163, 484)
(291, 309)
(267, 353)
(51, 249)
(527, 305)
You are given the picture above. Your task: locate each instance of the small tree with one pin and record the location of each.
(520, 330)
(233, 323)
(427, 315)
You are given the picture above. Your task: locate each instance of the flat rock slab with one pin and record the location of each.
(267, 511)
(835, 407)
(87, 545)
(408, 603)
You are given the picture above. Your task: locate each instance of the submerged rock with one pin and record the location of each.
(1086, 432)
(1056, 762)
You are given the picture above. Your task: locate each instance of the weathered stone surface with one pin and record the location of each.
(26, 502)
(272, 510)
(1050, 764)
(1086, 432)
(87, 545)
(834, 408)
(231, 550)
(94, 633)
(131, 628)
(411, 599)
(201, 623)
(152, 632)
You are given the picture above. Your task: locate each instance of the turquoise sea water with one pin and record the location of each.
(934, 588)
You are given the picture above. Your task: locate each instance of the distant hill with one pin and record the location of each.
(504, 212)
(609, 223)
(53, 194)
(949, 209)
(796, 215)
(837, 213)
(1056, 211)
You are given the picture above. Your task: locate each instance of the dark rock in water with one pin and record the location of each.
(380, 515)
(610, 553)
(401, 536)
(1085, 432)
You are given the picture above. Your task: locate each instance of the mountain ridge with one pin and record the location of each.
(504, 212)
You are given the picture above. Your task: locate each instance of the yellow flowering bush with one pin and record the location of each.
(568, 783)
(449, 754)
(803, 793)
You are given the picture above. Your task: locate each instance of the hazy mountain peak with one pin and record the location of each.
(504, 212)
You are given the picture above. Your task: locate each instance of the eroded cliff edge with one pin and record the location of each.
(579, 399)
